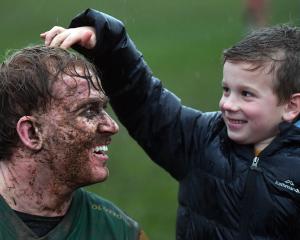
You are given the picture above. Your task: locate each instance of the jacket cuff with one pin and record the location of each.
(113, 45)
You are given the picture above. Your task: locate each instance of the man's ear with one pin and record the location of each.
(292, 108)
(29, 132)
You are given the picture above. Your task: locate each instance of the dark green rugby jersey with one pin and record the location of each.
(89, 217)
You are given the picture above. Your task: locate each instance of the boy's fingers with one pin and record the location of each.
(43, 35)
(70, 40)
(59, 39)
(51, 34)
(87, 37)
(65, 38)
(86, 40)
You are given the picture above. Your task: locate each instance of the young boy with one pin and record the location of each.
(238, 169)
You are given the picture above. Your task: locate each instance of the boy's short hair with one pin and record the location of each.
(278, 45)
(26, 79)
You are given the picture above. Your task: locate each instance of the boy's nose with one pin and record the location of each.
(108, 125)
(229, 104)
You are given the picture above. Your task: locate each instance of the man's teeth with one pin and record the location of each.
(103, 148)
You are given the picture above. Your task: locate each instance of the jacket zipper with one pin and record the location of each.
(249, 197)
(254, 164)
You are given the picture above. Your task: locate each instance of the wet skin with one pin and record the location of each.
(75, 124)
(72, 132)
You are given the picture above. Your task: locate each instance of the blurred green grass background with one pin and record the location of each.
(182, 41)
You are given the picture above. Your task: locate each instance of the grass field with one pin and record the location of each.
(182, 41)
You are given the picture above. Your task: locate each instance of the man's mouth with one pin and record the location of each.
(100, 149)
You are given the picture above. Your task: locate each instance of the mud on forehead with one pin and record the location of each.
(72, 79)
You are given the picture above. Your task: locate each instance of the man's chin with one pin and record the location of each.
(94, 178)
(100, 176)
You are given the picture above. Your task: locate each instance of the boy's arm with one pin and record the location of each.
(114, 53)
(153, 116)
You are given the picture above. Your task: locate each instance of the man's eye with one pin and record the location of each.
(92, 111)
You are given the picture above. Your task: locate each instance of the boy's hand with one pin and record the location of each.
(66, 38)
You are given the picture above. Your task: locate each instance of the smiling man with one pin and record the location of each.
(237, 168)
(54, 139)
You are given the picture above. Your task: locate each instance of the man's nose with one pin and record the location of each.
(108, 125)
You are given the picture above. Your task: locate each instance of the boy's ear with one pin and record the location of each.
(29, 132)
(292, 108)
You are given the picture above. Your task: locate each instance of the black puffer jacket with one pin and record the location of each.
(225, 192)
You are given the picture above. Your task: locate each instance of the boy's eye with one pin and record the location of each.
(247, 94)
(225, 90)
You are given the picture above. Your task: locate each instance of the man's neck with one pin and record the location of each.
(28, 188)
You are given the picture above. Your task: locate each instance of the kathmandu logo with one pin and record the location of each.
(289, 185)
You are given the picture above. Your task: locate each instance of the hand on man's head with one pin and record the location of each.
(66, 38)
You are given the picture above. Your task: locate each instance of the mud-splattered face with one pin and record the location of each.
(76, 131)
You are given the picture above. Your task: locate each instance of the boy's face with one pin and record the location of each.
(249, 106)
(76, 131)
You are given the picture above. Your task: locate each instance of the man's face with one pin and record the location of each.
(250, 108)
(76, 132)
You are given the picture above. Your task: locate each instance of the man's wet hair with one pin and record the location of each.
(277, 45)
(26, 80)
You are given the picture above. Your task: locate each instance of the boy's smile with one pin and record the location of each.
(249, 105)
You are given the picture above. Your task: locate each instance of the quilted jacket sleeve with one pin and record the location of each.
(153, 116)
